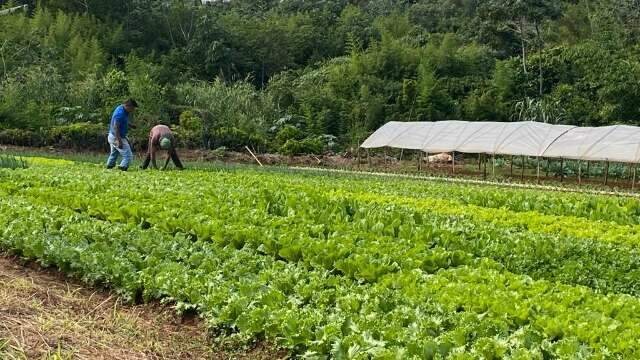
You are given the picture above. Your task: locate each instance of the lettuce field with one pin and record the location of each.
(344, 267)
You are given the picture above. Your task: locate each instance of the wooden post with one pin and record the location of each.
(479, 162)
(418, 152)
(511, 173)
(493, 166)
(538, 170)
(606, 173)
(588, 169)
(522, 174)
(633, 180)
(426, 155)
(561, 170)
(484, 160)
(254, 156)
(368, 158)
(401, 154)
(384, 161)
(453, 162)
(358, 157)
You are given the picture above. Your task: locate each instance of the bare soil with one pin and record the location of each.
(45, 315)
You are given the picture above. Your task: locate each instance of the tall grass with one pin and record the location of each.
(11, 162)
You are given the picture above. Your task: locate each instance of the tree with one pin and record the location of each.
(525, 18)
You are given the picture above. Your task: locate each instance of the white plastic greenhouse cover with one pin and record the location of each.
(620, 143)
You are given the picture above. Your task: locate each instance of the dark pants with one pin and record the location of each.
(174, 157)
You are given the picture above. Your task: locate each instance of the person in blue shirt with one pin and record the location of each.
(118, 129)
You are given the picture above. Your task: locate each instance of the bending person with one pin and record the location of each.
(161, 137)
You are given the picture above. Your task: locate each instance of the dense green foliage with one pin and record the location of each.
(352, 268)
(246, 72)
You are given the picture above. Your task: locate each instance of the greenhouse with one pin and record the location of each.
(619, 143)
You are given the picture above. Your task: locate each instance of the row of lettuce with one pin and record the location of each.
(290, 218)
(328, 273)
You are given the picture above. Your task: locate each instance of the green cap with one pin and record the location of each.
(165, 144)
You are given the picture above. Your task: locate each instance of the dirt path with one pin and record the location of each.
(44, 315)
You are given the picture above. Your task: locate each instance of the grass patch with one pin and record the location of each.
(12, 162)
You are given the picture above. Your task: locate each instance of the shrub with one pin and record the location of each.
(289, 132)
(21, 137)
(305, 146)
(236, 139)
(189, 132)
(79, 136)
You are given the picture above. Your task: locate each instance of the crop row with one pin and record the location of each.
(471, 311)
(341, 231)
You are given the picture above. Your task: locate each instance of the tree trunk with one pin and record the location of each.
(540, 45)
(523, 45)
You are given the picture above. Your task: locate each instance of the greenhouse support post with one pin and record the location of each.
(606, 173)
(368, 158)
(538, 169)
(561, 170)
(484, 174)
(493, 166)
(511, 171)
(479, 162)
(453, 162)
(401, 154)
(633, 180)
(523, 165)
(579, 172)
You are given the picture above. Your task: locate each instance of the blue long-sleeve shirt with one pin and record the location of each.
(119, 119)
